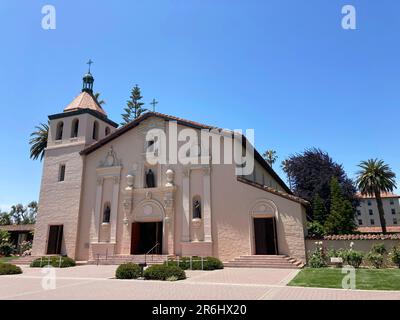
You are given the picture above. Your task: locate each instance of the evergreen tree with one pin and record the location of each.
(341, 216)
(134, 107)
(319, 210)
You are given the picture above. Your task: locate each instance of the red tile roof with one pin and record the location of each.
(18, 227)
(383, 195)
(85, 101)
(274, 191)
(392, 236)
(378, 229)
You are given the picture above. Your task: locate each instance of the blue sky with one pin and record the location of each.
(285, 68)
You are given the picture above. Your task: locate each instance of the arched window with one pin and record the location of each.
(59, 132)
(75, 128)
(107, 131)
(107, 213)
(197, 207)
(95, 130)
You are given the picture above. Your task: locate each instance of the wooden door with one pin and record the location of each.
(55, 240)
(265, 236)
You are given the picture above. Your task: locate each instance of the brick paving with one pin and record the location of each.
(97, 282)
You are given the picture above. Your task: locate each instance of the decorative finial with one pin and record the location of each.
(88, 80)
(154, 103)
(90, 62)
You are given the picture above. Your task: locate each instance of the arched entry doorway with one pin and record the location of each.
(264, 228)
(147, 228)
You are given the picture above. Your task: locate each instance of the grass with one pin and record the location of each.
(366, 279)
(7, 259)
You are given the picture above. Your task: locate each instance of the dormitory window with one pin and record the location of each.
(107, 131)
(59, 132)
(75, 128)
(369, 203)
(372, 222)
(61, 174)
(360, 222)
(95, 135)
(359, 212)
(394, 220)
(371, 212)
(393, 211)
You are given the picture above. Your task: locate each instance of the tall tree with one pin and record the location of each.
(311, 173)
(99, 101)
(5, 219)
(341, 216)
(134, 106)
(285, 168)
(38, 141)
(270, 156)
(319, 210)
(373, 178)
(24, 214)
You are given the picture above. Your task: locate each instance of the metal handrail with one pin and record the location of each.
(145, 255)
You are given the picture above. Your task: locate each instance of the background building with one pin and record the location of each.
(367, 214)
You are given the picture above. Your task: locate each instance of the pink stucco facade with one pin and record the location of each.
(110, 172)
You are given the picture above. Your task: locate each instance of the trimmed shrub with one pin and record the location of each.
(164, 272)
(315, 229)
(8, 268)
(212, 263)
(209, 263)
(378, 248)
(54, 261)
(395, 256)
(128, 271)
(354, 258)
(6, 249)
(376, 259)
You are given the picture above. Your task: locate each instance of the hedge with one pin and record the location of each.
(128, 271)
(164, 272)
(8, 268)
(54, 261)
(209, 263)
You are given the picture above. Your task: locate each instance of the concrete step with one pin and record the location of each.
(264, 261)
(116, 260)
(23, 260)
(266, 266)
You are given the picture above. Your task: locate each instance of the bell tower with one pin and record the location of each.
(83, 122)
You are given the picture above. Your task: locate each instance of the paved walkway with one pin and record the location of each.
(97, 282)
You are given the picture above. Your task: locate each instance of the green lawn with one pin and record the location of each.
(366, 279)
(7, 259)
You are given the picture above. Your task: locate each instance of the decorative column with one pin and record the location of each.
(127, 206)
(186, 205)
(207, 204)
(169, 221)
(96, 216)
(114, 210)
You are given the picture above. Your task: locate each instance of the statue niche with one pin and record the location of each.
(196, 209)
(150, 179)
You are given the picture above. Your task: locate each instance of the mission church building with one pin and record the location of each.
(101, 196)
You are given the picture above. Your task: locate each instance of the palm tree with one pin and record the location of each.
(38, 141)
(97, 96)
(375, 177)
(270, 156)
